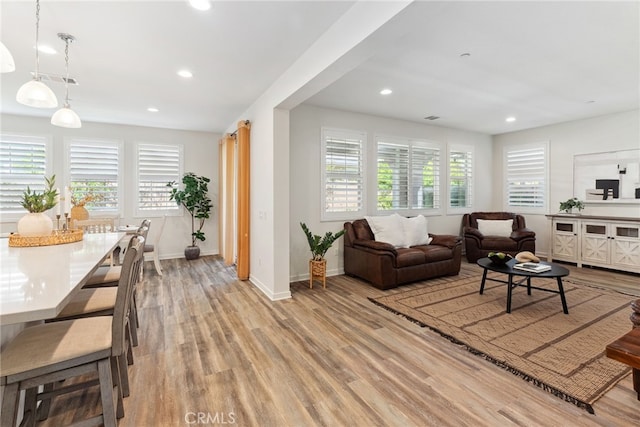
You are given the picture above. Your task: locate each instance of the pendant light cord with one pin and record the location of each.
(66, 80)
(37, 76)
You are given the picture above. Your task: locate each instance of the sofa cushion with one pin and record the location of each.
(410, 256)
(415, 231)
(499, 244)
(388, 229)
(495, 227)
(434, 253)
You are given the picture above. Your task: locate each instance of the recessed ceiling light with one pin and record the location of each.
(46, 49)
(200, 4)
(591, 101)
(185, 73)
(386, 92)
(465, 55)
(510, 119)
(152, 109)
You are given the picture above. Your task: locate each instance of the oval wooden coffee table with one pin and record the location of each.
(557, 272)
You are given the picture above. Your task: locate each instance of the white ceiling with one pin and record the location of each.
(541, 62)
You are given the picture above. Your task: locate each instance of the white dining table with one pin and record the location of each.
(37, 282)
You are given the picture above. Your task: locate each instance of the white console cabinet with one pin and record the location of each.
(610, 242)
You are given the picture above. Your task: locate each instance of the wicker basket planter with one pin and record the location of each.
(318, 270)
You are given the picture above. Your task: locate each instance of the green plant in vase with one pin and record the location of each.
(568, 205)
(319, 245)
(36, 222)
(195, 199)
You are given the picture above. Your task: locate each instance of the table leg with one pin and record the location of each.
(564, 300)
(509, 289)
(529, 285)
(484, 278)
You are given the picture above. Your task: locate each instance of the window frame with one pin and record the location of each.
(47, 141)
(514, 147)
(438, 186)
(455, 147)
(119, 144)
(173, 211)
(326, 132)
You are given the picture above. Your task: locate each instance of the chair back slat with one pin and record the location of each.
(128, 276)
(95, 225)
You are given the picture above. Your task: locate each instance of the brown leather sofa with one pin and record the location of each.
(478, 245)
(386, 267)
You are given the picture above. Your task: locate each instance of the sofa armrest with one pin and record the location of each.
(470, 231)
(523, 233)
(374, 245)
(448, 240)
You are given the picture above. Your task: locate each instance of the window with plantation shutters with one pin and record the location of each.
(460, 176)
(95, 169)
(342, 174)
(526, 177)
(24, 162)
(408, 174)
(158, 165)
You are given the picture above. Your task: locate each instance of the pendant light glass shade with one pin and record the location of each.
(35, 93)
(66, 118)
(7, 64)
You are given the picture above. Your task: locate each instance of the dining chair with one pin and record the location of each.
(152, 248)
(54, 352)
(98, 225)
(109, 276)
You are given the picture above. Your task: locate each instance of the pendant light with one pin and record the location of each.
(66, 117)
(7, 64)
(34, 93)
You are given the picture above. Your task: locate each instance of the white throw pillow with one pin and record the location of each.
(415, 231)
(388, 229)
(495, 227)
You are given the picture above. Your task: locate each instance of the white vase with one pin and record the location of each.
(35, 224)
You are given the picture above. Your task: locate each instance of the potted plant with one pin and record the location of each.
(319, 246)
(568, 205)
(195, 199)
(78, 211)
(36, 223)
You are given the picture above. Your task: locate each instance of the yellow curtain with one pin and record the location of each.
(226, 181)
(243, 136)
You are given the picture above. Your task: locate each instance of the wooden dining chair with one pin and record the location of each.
(152, 248)
(54, 352)
(95, 225)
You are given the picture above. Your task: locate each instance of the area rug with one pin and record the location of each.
(561, 353)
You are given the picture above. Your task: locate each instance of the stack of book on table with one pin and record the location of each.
(532, 267)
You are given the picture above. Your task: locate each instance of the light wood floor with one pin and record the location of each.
(213, 345)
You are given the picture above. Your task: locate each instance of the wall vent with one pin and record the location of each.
(432, 118)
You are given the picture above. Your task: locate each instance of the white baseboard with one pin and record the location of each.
(272, 296)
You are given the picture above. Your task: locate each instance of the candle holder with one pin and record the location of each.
(66, 227)
(58, 222)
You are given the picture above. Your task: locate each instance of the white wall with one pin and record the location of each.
(305, 185)
(612, 132)
(331, 56)
(201, 157)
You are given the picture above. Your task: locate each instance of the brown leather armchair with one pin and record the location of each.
(478, 245)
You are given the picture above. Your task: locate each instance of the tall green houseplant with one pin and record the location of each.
(319, 245)
(195, 199)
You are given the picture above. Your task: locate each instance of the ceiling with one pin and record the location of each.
(540, 62)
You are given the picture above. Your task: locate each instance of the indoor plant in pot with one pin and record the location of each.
(567, 206)
(319, 245)
(195, 199)
(36, 222)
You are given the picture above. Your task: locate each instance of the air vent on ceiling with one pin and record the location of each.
(432, 118)
(56, 78)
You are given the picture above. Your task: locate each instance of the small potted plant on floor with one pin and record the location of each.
(195, 199)
(567, 206)
(319, 245)
(36, 222)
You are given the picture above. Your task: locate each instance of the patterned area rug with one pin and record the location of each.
(563, 354)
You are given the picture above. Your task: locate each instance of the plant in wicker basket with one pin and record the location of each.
(319, 245)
